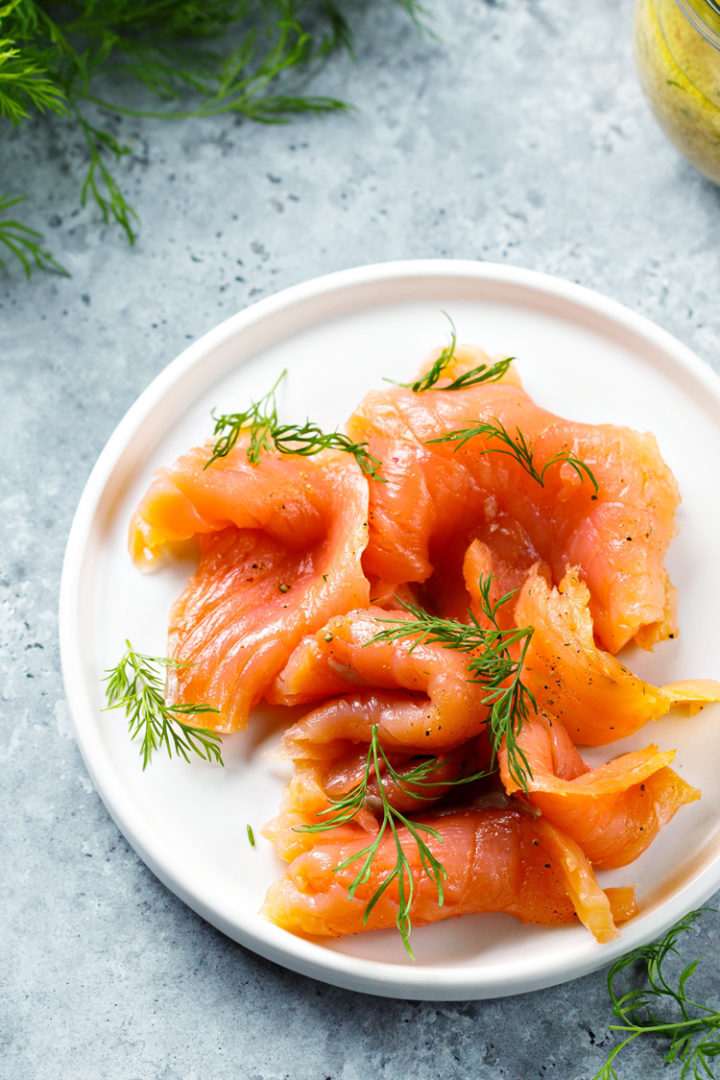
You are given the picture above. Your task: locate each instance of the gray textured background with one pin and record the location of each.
(518, 135)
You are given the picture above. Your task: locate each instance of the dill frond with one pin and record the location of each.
(517, 447)
(491, 664)
(24, 243)
(261, 421)
(661, 1007)
(188, 58)
(135, 685)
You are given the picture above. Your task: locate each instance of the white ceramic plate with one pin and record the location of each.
(580, 355)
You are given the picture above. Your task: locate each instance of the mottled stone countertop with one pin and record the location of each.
(516, 134)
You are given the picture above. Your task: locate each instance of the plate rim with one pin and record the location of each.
(295, 953)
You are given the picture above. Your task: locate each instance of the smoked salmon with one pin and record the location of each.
(613, 812)
(417, 693)
(495, 860)
(281, 545)
(485, 509)
(596, 697)
(617, 536)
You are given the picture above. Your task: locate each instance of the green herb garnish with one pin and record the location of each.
(341, 811)
(428, 380)
(304, 440)
(518, 448)
(187, 58)
(250, 835)
(480, 374)
(23, 242)
(493, 665)
(691, 1029)
(136, 686)
(260, 419)
(308, 439)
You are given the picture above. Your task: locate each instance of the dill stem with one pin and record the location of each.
(670, 1025)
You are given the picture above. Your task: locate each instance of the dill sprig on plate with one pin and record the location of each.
(492, 664)
(690, 1029)
(516, 447)
(414, 783)
(89, 62)
(479, 374)
(260, 419)
(136, 685)
(308, 439)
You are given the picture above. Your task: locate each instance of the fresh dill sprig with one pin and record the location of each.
(428, 380)
(100, 182)
(188, 58)
(479, 374)
(691, 1029)
(308, 439)
(136, 686)
(23, 242)
(260, 419)
(341, 811)
(492, 664)
(518, 448)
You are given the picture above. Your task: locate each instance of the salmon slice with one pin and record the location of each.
(312, 795)
(593, 694)
(496, 860)
(617, 537)
(505, 551)
(613, 812)
(302, 804)
(281, 545)
(481, 562)
(418, 696)
(404, 722)
(310, 799)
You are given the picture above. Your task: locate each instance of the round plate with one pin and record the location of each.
(580, 355)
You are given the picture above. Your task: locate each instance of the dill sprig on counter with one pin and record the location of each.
(492, 664)
(690, 1029)
(516, 447)
(413, 783)
(135, 684)
(89, 62)
(21, 241)
(260, 419)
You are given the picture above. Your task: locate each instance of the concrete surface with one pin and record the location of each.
(518, 134)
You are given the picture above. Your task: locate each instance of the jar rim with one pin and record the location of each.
(704, 15)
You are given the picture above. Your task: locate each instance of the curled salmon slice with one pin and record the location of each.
(617, 537)
(281, 545)
(403, 721)
(613, 812)
(480, 561)
(417, 693)
(597, 699)
(495, 859)
(302, 804)
(311, 797)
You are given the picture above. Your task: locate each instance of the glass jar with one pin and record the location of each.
(677, 49)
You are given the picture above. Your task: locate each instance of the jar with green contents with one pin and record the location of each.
(677, 47)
